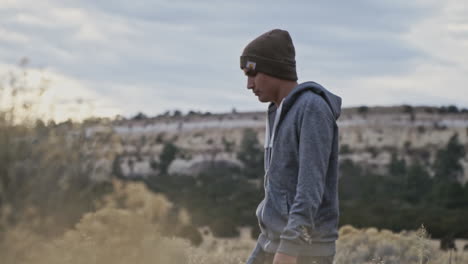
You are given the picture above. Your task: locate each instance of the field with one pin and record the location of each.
(127, 227)
(53, 211)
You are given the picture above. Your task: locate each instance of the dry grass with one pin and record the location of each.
(128, 224)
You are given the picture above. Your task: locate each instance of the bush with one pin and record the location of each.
(373, 246)
(363, 109)
(225, 227)
(191, 233)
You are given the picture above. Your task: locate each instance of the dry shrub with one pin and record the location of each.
(222, 250)
(112, 236)
(366, 246)
(135, 197)
(126, 229)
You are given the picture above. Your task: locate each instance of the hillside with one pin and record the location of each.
(368, 136)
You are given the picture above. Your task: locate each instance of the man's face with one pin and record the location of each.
(262, 85)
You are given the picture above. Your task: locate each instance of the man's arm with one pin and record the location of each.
(315, 144)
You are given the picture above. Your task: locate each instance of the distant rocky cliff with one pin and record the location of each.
(368, 136)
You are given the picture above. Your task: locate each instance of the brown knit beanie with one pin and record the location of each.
(271, 53)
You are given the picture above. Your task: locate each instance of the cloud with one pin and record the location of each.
(156, 55)
(64, 97)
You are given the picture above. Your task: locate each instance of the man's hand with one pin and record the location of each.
(281, 258)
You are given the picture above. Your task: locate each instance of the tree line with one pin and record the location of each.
(411, 192)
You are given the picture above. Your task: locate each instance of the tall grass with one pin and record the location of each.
(54, 208)
(44, 168)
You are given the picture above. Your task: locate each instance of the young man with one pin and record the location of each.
(298, 217)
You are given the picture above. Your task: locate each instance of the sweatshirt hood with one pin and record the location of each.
(333, 101)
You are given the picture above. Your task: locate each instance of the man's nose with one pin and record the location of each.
(250, 83)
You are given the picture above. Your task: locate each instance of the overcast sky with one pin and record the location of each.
(152, 56)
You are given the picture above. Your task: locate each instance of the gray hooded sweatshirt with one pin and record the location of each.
(299, 214)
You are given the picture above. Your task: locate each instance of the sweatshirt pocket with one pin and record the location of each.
(258, 213)
(276, 204)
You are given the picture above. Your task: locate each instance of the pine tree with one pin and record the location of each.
(447, 166)
(168, 155)
(251, 154)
